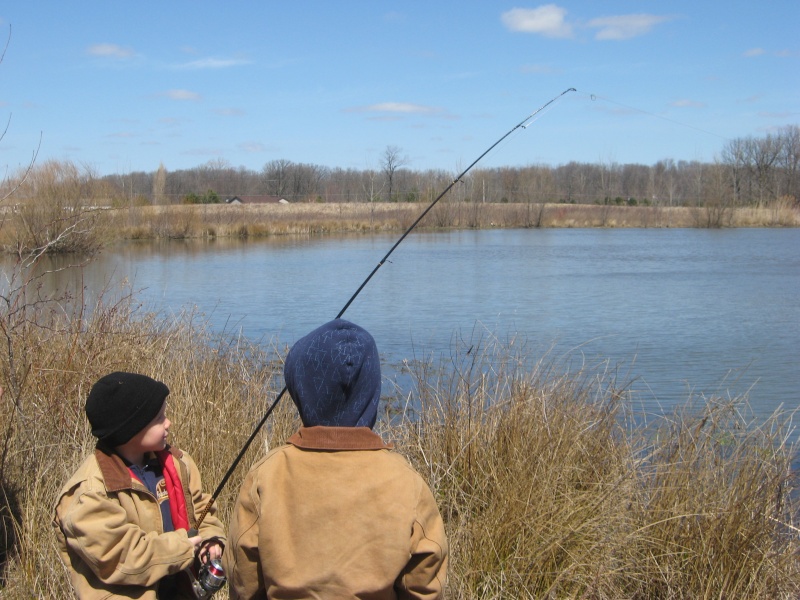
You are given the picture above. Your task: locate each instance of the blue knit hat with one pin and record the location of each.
(334, 376)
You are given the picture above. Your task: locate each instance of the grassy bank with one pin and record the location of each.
(279, 219)
(77, 228)
(546, 488)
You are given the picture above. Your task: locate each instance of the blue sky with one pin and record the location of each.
(124, 86)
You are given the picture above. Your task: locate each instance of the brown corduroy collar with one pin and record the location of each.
(321, 437)
(116, 475)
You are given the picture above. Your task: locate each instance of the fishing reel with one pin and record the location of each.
(205, 578)
(210, 578)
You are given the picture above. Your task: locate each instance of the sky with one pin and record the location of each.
(121, 87)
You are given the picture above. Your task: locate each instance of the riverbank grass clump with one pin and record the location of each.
(548, 485)
(552, 488)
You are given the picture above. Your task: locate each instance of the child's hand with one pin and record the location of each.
(209, 549)
(196, 541)
(214, 551)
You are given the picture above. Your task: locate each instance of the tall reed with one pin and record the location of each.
(552, 489)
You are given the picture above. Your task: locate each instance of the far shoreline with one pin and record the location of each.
(86, 229)
(264, 220)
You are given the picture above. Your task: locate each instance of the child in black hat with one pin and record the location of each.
(335, 513)
(123, 520)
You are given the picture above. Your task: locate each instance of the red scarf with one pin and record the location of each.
(177, 501)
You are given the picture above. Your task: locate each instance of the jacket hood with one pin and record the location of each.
(334, 376)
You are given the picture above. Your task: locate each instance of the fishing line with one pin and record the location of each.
(596, 97)
(524, 124)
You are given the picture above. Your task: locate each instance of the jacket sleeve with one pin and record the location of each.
(241, 560)
(211, 525)
(118, 551)
(425, 575)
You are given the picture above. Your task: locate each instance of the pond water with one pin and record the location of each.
(680, 312)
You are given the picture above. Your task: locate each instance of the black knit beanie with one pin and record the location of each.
(121, 404)
(334, 376)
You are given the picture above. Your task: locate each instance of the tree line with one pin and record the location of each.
(750, 171)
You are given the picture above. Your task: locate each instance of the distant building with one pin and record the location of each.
(256, 200)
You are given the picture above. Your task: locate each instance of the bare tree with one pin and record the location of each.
(276, 176)
(733, 157)
(160, 185)
(765, 153)
(391, 161)
(666, 182)
(305, 181)
(716, 209)
(789, 162)
(371, 190)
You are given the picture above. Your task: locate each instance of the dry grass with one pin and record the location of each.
(546, 489)
(256, 220)
(219, 387)
(96, 227)
(281, 219)
(549, 494)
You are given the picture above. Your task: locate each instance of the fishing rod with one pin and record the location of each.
(521, 125)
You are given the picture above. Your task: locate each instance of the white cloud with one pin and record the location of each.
(623, 27)
(547, 20)
(182, 95)
(109, 50)
(212, 63)
(397, 107)
(550, 20)
(754, 52)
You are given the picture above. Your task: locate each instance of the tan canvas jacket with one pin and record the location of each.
(335, 514)
(110, 533)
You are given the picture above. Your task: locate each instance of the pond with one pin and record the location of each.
(678, 312)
